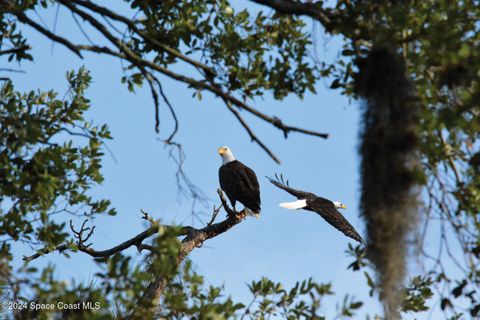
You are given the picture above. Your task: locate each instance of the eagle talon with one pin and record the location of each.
(242, 215)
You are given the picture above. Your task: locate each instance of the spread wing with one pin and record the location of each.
(326, 209)
(294, 192)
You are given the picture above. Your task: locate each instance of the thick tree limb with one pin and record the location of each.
(329, 18)
(312, 10)
(195, 240)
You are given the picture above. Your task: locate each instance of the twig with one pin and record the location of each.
(250, 132)
(150, 78)
(172, 112)
(450, 159)
(247, 309)
(12, 70)
(55, 21)
(81, 28)
(23, 18)
(147, 217)
(81, 238)
(214, 215)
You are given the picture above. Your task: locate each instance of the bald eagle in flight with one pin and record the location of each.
(325, 208)
(239, 182)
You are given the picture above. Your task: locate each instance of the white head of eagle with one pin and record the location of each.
(239, 182)
(226, 154)
(339, 205)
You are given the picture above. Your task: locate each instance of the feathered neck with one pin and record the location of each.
(228, 157)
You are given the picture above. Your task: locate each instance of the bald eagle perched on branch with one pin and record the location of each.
(325, 208)
(239, 182)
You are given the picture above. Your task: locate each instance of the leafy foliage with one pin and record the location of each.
(249, 54)
(40, 173)
(49, 158)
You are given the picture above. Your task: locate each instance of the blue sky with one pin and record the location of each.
(284, 245)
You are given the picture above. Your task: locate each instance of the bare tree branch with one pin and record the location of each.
(135, 241)
(46, 250)
(214, 214)
(11, 70)
(150, 80)
(194, 238)
(147, 217)
(172, 111)
(250, 132)
(143, 64)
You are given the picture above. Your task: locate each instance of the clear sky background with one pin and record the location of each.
(284, 245)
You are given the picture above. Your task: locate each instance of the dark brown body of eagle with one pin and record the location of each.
(325, 208)
(240, 183)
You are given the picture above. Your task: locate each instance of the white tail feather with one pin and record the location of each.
(251, 213)
(299, 204)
